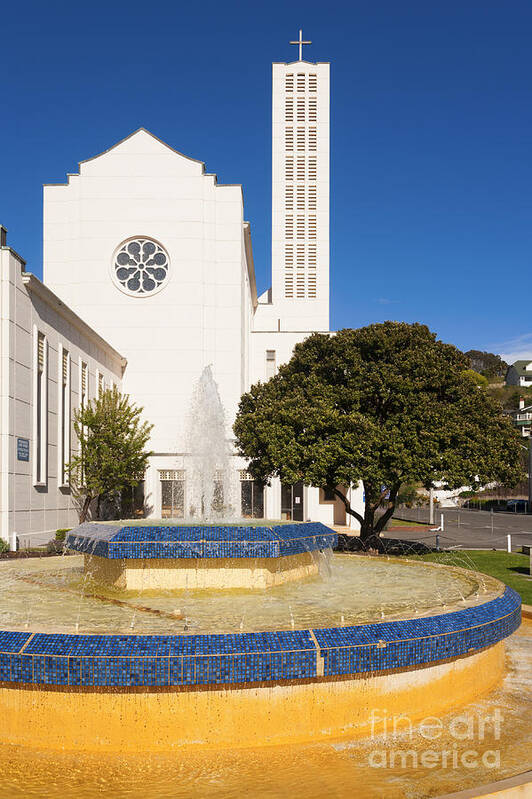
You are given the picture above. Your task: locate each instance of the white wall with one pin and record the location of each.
(141, 187)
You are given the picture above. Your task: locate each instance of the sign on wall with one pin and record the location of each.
(23, 449)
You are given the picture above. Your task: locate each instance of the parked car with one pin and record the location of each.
(517, 505)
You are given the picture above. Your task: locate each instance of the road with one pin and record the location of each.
(469, 528)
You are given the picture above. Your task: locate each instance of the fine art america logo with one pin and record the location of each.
(460, 742)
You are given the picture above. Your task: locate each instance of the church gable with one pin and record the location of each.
(141, 154)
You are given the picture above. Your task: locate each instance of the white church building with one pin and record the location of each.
(148, 277)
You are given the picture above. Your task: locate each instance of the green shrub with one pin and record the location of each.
(60, 534)
(4, 546)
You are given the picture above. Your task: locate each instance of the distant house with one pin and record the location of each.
(522, 418)
(519, 374)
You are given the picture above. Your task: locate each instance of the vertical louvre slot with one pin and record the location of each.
(312, 285)
(312, 139)
(312, 227)
(64, 368)
(289, 109)
(312, 82)
(289, 256)
(289, 198)
(312, 256)
(312, 172)
(300, 227)
(289, 286)
(300, 261)
(300, 198)
(301, 168)
(300, 109)
(312, 198)
(312, 110)
(289, 171)
(289, 82)
(40, 352)
(289, 139)
(289, 227)
(301, 139)
(301, 82)
(300, 285)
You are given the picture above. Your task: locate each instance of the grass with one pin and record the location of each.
(512, 569)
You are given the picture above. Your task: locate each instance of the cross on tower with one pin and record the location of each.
(300, 42)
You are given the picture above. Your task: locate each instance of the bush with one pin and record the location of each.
(60, 534)
(4, 546)
(407, 494)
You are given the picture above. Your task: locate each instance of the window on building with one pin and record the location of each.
(270, 364)
(251, 496)
(40, 409)
(83, 400)
(172, 493)
(84, 385)
(101, 384)
(64, 416)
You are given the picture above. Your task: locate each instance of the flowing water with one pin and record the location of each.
(209, 490)
(54, 594)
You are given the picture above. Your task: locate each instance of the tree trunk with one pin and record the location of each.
(370, 529)
(85, 509)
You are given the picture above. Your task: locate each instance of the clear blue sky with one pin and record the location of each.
(431, 135)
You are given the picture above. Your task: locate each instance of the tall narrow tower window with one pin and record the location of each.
(289, 138)
(289, 109)
(40, 410)
(270, 364)
(64, 417)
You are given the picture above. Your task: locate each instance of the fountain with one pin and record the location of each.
(210, 487)
(223, 633)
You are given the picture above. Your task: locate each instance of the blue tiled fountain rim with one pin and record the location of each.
(201, 541)
(151, 661)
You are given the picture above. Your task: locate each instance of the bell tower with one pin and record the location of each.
(300, 193)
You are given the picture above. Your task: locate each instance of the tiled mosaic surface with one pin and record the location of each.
(200, 542)
(156, 660)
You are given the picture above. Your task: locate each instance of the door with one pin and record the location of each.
(292, 502)
(172, 499)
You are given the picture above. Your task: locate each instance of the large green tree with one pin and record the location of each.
(387, 404)
(112, 452)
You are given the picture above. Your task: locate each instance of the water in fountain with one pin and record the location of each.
(209, 485)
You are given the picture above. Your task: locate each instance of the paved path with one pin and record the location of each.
(469, 528)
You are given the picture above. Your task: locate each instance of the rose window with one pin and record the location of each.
(140, 266)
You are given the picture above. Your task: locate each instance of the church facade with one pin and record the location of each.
(148, 277)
